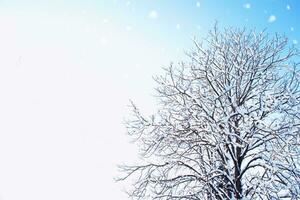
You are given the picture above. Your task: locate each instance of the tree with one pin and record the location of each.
(228, 125)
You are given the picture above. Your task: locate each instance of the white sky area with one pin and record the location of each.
(65, 81)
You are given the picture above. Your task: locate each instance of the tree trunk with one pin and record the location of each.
(237, 175)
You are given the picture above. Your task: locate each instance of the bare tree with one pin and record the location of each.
(228, 126)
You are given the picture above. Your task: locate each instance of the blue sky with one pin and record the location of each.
(67, 72)
(193, 17)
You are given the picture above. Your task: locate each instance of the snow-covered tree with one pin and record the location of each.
(228, 125)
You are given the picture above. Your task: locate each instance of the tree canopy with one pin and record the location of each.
(228, 124)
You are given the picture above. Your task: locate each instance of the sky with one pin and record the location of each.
(68, 69)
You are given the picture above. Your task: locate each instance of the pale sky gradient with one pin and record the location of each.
(65, 81)
(68, 69)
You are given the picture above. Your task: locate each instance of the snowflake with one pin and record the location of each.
(153, 14)
(105, 21)
(128, 28)
(178, 26)
(295, 41)
(247, 5)
(288, 7)
(198, 4)
(272, 19)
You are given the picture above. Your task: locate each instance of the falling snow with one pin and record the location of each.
(128, 28)
(272, 19)
(153, 14)
(247, 5)
(105, 21)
